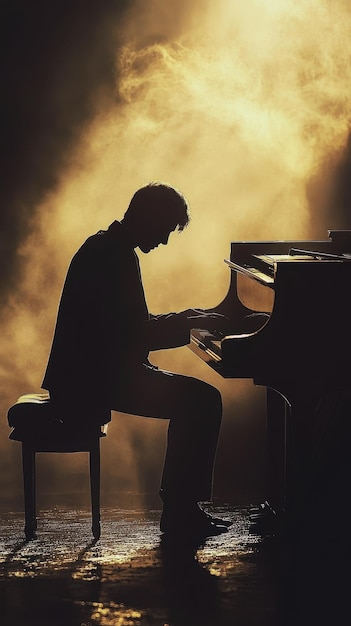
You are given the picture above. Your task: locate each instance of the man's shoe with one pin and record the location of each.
(192, 523)
(218, 520)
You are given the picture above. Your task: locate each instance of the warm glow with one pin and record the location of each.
(241, 110)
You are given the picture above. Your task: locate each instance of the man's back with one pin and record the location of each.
(102, 299)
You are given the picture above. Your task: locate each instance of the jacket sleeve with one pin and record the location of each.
(169, 330)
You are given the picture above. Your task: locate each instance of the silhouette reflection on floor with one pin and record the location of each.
(133, 577)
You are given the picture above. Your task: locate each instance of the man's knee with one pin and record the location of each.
(213, 399)
(205, 399)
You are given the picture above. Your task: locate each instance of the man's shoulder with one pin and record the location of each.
(103, 239)
(104, 246)
(112, 235)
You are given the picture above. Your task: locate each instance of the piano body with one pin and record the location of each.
(299, 350)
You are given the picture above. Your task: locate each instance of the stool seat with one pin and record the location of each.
(38, 423)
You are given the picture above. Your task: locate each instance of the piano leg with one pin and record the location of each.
(289, 424)
(299, 450)
(276, 422)
(268, 517)
(290, 445)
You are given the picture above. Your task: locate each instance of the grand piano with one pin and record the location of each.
(299, 350)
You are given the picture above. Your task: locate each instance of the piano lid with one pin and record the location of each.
(263, 267)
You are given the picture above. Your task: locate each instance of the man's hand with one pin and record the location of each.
(172, 330)
(208, 320)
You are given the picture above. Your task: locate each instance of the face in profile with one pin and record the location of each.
(154, 234)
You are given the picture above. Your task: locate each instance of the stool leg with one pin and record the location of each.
(28, 466)
(94, 458)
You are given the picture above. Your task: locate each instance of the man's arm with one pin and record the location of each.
(172, 330)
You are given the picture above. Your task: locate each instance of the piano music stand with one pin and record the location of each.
(35, 423)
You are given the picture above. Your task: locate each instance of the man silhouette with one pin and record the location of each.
(99, 354)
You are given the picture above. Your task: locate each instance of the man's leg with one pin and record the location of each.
(192, 441)
(194, 409)
(188, 467)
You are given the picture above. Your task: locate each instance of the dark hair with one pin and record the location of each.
(166, 203)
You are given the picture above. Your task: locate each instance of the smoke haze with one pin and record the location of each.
(245, 107)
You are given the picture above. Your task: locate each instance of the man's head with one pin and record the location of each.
(154, 212)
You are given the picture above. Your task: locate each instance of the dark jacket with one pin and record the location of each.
(103, 326)
(102, 303)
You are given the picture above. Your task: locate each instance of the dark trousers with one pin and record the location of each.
(194, 409)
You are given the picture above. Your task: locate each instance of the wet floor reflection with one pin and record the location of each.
(131, 577)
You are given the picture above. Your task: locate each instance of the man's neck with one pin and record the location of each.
(129, 232)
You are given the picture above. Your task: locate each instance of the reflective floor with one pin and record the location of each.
(130, 577)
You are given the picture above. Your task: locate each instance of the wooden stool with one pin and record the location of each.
(35, 422)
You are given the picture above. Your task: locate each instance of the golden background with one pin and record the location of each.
(245, 107)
